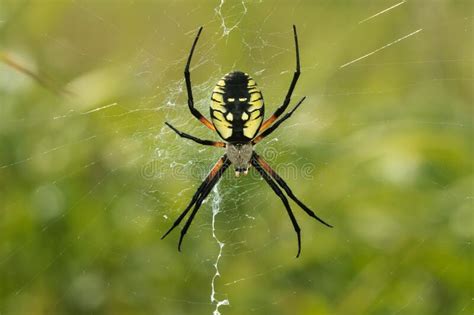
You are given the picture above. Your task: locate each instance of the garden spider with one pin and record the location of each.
(237, 116)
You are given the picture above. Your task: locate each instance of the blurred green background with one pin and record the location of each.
(382, 148)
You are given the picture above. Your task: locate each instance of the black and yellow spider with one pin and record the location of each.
(237, 115)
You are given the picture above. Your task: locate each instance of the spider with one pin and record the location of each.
(237, 116)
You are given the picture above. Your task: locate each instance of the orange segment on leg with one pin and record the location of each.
(207, 123)
(267, 123)
(216, 168)
(265, 165)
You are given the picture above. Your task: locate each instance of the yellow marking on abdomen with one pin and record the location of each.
(252, 125)
(222, 125)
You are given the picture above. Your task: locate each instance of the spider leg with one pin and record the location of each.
(283, 184)
(213, 181)
(195, 139)
(280, 194)
(197, 194)
(286, 102)
(214, 171)
(277, 124)
(187, 77)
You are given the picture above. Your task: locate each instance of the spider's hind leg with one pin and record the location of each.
(280, 110)
(273, 127)
(187, 77)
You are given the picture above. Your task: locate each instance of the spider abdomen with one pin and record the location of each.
(237, 107)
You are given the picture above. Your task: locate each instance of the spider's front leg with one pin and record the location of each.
(259, 160)
(199, 196)
(280, 194)
(268, 173)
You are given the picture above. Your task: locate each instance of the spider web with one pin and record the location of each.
(91, 176)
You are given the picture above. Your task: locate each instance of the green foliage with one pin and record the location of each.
(90, 178)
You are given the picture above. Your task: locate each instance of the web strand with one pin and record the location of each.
(216, 202)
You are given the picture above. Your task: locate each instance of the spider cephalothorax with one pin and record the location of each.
(237, 110)
(240, 155)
